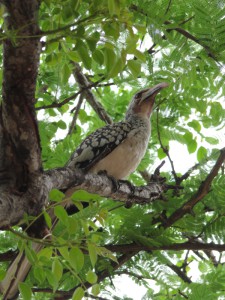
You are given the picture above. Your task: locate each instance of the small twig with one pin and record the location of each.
(182, 294)
(188, 173)
(212, 257)
(151, 49)
(73, 123)
(157, 170)
(179, 272)
(168, 7)
(68, 26)
(95, 297)
(56, 104)
(148, 177)
(185, 263)
(185, 21)
(165, 150)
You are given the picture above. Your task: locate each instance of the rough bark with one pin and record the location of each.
(20, 68)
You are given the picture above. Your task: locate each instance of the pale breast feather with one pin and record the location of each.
(98, 145)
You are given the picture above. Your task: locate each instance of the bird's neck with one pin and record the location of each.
(138, 120)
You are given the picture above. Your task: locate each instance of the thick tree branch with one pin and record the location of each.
(8, 256)
(72, 180)
(16, 273)
(14, 204)
(20, 68)
(69, 180)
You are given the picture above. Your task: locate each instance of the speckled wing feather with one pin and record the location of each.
(98, 145)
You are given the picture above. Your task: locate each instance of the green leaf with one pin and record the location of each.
(195, 125)
(2, 274)
(65, 73)
(57, 269)
(95, 289)
(91, 277)
(98, 56)
(85, 57)
(51, 47)
(76, 259)
(31, 255)
(39, 274)
(73, 55)
(48, 219)
(109, 59)
(141, 56)
(201, 154)
(64, 252)
(192, 146)
(61, 124)
(45, 253)
(61, 214)
(114, 7)
(102, 251)
(92, 253)
(188, 137)
(56, 195)
(25, 291)
(212, 141)
(52, 59)
(78, 294)
(135, 67)
(82, 195)
(51, 279)
(116, 68)
(161, 153)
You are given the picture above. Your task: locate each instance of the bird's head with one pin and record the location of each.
(143, 101)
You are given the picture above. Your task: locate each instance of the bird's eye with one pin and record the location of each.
(138, 95)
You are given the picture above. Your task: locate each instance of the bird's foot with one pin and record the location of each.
(115, 183)
(129, 184)
(128, 203)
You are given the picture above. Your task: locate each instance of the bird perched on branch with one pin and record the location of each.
(118, 148)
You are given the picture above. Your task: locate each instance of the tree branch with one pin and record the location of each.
(20, 69)
(193, 38)
(194, 246)
(201, 193)
(180, 273)
(73, 123)
(9, 255)
(96, 105)
(72, 180)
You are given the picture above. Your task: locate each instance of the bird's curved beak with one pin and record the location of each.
(150, 93)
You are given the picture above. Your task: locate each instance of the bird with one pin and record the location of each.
(118, 148)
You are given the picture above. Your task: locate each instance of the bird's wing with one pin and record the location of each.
(98, 145)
